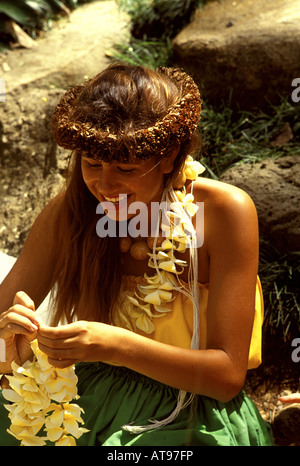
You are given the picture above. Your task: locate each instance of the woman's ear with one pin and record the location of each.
(167, 162)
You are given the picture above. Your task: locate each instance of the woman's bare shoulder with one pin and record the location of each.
(219, 192)
(222, 198)
(229, 212)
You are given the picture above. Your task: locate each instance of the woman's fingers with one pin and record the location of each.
(58, 343)
(22, 298)
(23, 312)
(62, 337)
(62, 332)
(61, 353)
(20, 318)
(62, 363)
(17, 321)
(65, 344)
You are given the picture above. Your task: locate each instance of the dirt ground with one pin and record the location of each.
(32, 171)
(276, 376)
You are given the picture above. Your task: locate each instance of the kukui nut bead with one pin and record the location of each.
(150, 241)
(140, 251)
(125, 244)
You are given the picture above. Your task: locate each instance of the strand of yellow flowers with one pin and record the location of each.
(40, 397)
(150, 300)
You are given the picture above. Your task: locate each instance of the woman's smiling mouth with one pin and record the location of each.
(119, 198)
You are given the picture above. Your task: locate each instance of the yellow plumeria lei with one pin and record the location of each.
(150, 300)
(40, 397)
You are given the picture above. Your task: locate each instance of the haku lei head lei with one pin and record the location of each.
(80, 134)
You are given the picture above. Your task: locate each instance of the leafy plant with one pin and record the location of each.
(31, 15)
(159, 18)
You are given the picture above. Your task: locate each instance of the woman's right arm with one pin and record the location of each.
(28, 283)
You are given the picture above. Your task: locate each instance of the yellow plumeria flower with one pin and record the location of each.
(54, 434)
(64, 420)
(66, 441)
(192, 168)
(145, 324)
(55, 419)
(26, 437)
(190, 207)
(11, 395)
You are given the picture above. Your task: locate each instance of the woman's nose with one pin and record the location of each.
(108, 181)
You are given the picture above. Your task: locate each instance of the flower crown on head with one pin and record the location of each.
(177, 125)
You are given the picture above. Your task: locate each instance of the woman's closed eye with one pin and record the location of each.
(91, 164)
(94, 165)
(125, 170)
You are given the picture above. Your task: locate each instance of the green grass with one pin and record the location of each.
(153, 24)
(243, 137)
(280, 277)
(150, 53)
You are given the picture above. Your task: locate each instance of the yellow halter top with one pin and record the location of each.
(176, 326)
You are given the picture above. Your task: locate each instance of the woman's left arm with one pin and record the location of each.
(219, 370)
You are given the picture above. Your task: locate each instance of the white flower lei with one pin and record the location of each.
(148, 302)
(178, 208)
(40, 397)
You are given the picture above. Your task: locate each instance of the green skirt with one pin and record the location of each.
(115, 396)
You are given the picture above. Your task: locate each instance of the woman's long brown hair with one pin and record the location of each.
(88, 273)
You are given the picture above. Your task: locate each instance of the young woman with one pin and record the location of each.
(161, 310)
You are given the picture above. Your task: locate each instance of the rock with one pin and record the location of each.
(274, 186)
(22, 39)
(243, 52)
(286, 426)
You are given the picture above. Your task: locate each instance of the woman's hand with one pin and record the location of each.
(18, 327)
(79, 341)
